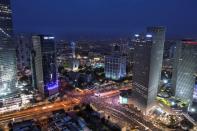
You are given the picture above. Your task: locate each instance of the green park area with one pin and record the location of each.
(173, 102)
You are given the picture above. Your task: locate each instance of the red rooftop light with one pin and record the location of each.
(190, 42)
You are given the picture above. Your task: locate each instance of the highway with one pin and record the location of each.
(108, 102)
(67, 103)
(38, 110)
(130, 116)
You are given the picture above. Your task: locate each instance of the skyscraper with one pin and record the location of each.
(7, 51)
(148, 56)
(184, 68)
(44, 64)
(7, 71)
(36, 64)
(6, 30)
(72, 49)
(73, 61)
(23, 50)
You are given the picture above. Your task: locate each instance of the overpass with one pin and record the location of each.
(38, 110)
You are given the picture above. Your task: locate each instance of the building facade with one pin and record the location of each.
(115, 64)
(7, 71)
(7, 51)
(184, 69)
(6, 28)
(115, 67)
(36, 64)
(23, 50)
(72, 51)
(44, 65)
(148, 56)
(73, 61)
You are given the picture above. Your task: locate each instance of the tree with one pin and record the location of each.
(172, 120)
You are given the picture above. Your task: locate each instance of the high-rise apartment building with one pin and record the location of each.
(148, 56)
(184, 69)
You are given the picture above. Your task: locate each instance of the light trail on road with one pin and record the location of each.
(39, 110)
(108, 103)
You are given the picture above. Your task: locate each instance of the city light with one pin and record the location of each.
(172, 103)
(49, 38)
(137, 35)
(193, 110)
(52, 86)
(160, 110)
(149, 36)
(115, 76)
(165, 81)
(123, 100)
(195, 93)
(190, 42)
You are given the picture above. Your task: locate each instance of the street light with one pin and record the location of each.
(193, 109)
(172, 103)
(165, 81)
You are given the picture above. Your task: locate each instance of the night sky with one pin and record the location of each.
(105, 17)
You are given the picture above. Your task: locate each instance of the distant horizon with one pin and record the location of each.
(94, 36)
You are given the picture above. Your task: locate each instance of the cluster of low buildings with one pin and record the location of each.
(61, 121)
(25, 126)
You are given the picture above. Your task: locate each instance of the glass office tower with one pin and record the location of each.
(6, 29)
(7, 51)
(44, 64)
(115, 67)
(148, 56)
(115, 64)
(184, 69)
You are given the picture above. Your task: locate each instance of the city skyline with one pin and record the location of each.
(104, 18)
(105, 73)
